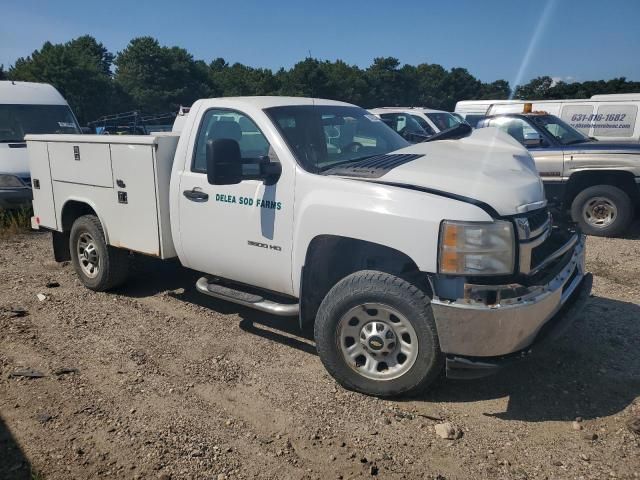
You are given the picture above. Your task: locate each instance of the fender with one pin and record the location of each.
(403, 219)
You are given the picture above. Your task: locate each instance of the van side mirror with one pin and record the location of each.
(224, 162)
(532, 139)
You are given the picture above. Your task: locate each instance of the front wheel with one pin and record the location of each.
(602, 210)
(99, 266)
(375, 334)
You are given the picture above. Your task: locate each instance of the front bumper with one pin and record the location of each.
(475, 327)
(11, 198)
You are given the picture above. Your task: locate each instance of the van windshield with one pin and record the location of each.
(16, 121)
(324, 136)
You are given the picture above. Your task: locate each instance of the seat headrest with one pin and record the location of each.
(226, 130)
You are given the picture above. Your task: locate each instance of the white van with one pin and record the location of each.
(26, 108)
(604, 117)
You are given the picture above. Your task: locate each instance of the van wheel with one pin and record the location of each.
(602, 210)
(375, 334)
(99, 266)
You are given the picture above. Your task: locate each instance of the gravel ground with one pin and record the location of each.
(156, 382)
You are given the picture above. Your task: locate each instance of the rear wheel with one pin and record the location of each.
(99, 266)
(375, 334)
(602, 210)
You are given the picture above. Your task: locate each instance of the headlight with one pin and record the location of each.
(476, 248)
(10, 181)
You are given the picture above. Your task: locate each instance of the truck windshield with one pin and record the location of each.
(564, 133)
(322, 136)
(16, 121)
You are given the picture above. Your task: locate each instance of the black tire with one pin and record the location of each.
(113, 263)
(369, 287)
(603, 194)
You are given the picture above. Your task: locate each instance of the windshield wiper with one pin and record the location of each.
(12, 141)
(459, 131)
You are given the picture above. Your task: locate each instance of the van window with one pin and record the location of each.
(615, 120)
(16, 121)
(578, 116)
(217, 124)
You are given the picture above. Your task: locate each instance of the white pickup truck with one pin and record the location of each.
(408, 260)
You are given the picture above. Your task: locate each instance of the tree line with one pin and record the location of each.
(153, 78)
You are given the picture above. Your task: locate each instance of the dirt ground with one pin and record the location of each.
(151, 382)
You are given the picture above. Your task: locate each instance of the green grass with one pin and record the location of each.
(13, 222)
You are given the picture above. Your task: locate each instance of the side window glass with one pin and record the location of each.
(423, 123)
(217, 124)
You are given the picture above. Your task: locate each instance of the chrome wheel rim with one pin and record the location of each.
(599, 212)
(377, 341)
(88, 256)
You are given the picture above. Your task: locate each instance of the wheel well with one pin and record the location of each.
(70, 212)
(331, 258)
(73, 210)
(625, 181)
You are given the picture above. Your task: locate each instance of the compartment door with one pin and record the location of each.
(83, 163)
(43, 206)
(135, 211)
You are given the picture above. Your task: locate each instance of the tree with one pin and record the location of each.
(79, 69)
(3, 74)
(536, 89)
(158, 78)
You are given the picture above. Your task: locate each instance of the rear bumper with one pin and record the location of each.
(469, 327)
(15, 197)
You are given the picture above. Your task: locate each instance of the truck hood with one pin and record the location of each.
(487, 166)
(14, 159)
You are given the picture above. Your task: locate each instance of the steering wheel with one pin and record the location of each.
(352, 147)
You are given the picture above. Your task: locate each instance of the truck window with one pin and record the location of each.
(425, 126)
(217, 124)
(443, 120)
(473, 119)
(563, 133)
(324, 135)
(578, 116)
(615, 120)
(516, 127)
(16, 121)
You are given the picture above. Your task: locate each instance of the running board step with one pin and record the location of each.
(251, 300)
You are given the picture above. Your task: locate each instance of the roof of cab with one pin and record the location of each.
(406, 109)
(275, 101)
(29, 93)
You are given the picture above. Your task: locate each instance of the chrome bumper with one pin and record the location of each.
(472, 327)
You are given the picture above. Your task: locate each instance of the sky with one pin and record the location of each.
(515, 40)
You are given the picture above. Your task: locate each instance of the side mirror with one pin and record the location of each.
(224, 162)
(532, 139)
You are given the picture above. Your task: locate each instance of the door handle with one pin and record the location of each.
(196, 195)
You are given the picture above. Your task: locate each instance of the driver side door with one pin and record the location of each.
(240, 232)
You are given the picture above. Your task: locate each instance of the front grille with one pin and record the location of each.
(552, 244)
(537, 218)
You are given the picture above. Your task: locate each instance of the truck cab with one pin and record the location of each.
(597, 182)
(407, 261)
